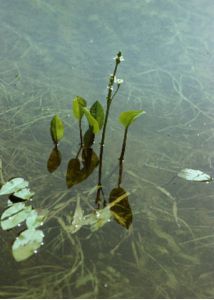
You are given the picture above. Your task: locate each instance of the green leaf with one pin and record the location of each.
(99, 218)
(27, 243)
(120, 210)
(194, 175)
(15, 215)
(24, 194)
(78, 104)
(57, 129)
(73, 175)
(36, 218)
(98, 113)
(88, 138)
(13, 186)
(54, 160)
(126, 118)
(91, 120)
(90, 160)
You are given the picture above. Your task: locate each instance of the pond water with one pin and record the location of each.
(52, 51)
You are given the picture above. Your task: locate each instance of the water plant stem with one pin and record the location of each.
(1, 175)
(121, 158)
(109, 101)
(80, 128)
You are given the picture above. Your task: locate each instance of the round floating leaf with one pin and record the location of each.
(57, 129)
(78, 104)
(194, 175)
(91, 120)
(24, 194)
(27, 243)
(13, 186)
(54, 160)
(126, 118)
(36, 218)
(98, 113)
(15, 215)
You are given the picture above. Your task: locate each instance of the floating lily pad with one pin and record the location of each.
(194, 175)
(36, 218)
(15, 215)
(27, 243)
(13, 186)
(24, 194)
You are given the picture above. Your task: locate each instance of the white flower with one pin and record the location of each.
(110, 87)
(118, 81)
(121, 58)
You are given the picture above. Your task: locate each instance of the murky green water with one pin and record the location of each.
(52, 51)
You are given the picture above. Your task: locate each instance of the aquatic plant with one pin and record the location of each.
(19, 211)
(78, 169)
(86, 160)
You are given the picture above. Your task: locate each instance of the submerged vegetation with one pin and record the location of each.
(157, 256)
(168, 252)
(30, 239)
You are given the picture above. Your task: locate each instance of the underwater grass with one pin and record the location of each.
(179, 120)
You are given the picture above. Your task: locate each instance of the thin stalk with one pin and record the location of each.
(109, 101)
(80, 128)
(81, 138)
(1, 175)
(121, 158)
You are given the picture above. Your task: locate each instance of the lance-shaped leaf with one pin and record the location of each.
(98, 113)
(15, 215)
(57, 129)
(194, 175)
(91, 120)
(121, 210)
(126, 118)
(77, 218)
(54, 160)
(13, 186)
(73, 175)
(88, 138)
(90, 160)
(27, 243)
(78, 104)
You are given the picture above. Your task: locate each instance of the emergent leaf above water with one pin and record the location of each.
(98, 113)
(77, 105)
(91, 120)
(57, 129)
(126, 118)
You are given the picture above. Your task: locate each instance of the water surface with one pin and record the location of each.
(52, 51)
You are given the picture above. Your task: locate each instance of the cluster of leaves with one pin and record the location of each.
(98, 218)
(19, 211)
(86, 160)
